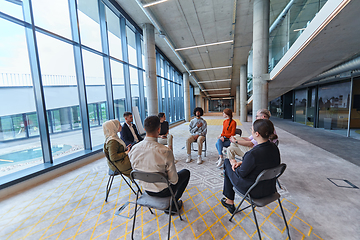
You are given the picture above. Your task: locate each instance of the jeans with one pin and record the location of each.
(220, 144)
(178, 188)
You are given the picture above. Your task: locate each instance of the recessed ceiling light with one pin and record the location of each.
(204, 45)
(153, 3)
(221, 80)
(208, 69)
(219, 94)
(215, 89)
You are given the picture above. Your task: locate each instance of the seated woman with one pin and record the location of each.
(243, 174)
(115, 148)
(229, 128)
(164, 138)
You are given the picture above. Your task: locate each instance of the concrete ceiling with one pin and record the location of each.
(194, 22)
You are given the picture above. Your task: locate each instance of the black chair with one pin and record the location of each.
(112, 174)
(238, 131)
(204, 146)
(273, 173)
(151, 201)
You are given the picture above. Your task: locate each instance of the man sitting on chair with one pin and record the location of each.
(198, 130)
(129, 133)
(151, 156)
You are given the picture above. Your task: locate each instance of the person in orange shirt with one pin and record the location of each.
(229, 127)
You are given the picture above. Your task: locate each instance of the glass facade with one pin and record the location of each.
(291, 27)
(59, 90)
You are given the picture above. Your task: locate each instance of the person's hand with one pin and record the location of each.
(196, 137)
(163, 137)
(199, 124)
(232, 139)
(235, 165)
(128, 147)
(222, 139)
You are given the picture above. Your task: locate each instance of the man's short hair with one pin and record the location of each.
(126, 114)
(200, 110)
(151, 124)
(264, 112)
(160, 115)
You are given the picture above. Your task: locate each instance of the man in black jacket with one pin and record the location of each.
(129, 133)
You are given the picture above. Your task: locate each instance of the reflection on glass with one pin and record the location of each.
(17, 112)
(60, 90)
(11, 8)
(334, 106)
(311, 107)
(134, 88)
(88, 14)
(117, 74)
(53, 16)
(114, 34)
(300, 106)
(96, 95)
(276, 107)
(131, 41)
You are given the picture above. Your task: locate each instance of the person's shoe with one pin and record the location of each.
(188, 159)
(199, 160)
(173, 208)
(220, 163)
(230, 207)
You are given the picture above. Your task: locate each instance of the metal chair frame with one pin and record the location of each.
(152, 178)
(111, 179)
(273, 173)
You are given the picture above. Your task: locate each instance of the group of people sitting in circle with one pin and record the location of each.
(131, 151)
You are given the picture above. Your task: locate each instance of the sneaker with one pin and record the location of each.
(220, 163)
(188, 159)
(199, 160)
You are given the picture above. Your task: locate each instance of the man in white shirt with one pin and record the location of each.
(129, 132)
(151, 156)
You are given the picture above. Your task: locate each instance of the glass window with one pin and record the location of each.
(88, 13)
(134, 87)
(117, 73)
(53, 16)
(300, 106)
(12, 9)
(114, 34)
(60, 90)
(131, 41)
(334, 106)
(96, 95)
(17, 119)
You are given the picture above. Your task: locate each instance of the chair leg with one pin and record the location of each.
(133, 226)
(237, 209)
(177, 208)
(205, 149)
(128, 184)
(257, 225)
(169, 220)
(278, 183)
(282, 211)
(108, 186)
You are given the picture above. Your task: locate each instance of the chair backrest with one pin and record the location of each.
(277, 143)
(238, 131)
(271, 173)
(267, 174)
(150, 177)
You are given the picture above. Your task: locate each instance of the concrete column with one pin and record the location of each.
(243, 93)
(150, 69)
(187, 109)
(206, 105)
(237, 101)
(260, 54)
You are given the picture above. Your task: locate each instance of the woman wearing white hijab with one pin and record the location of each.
(115, 148)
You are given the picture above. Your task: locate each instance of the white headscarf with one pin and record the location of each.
(110, 129)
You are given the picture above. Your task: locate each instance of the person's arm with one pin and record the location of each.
(244, 143)
(247, 165)
(171, 169)
(116, 151)
(203, 129)
(192, 127)
(137, 133)
(125, 134)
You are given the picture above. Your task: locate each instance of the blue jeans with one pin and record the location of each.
(220, 144)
